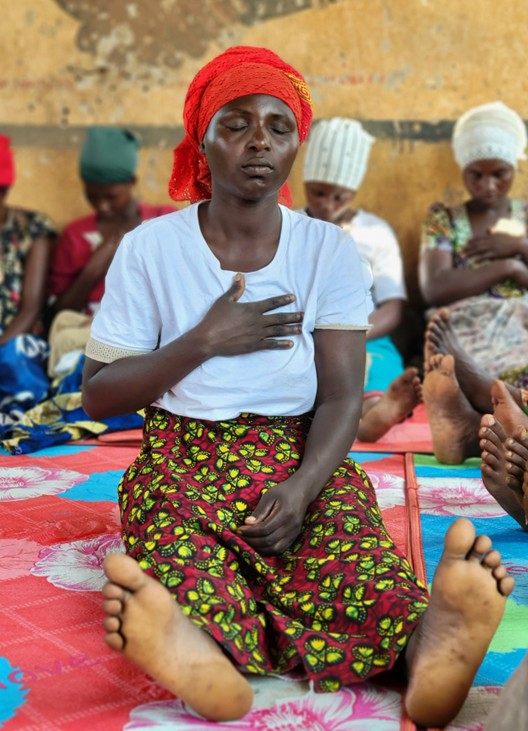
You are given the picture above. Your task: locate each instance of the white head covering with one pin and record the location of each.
(337, 153)
(489, 132)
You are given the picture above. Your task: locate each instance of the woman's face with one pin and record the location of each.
(250, 146)
(109, 200)
(328, 202)
(488, 181)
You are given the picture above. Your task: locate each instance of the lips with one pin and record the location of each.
(258, 166)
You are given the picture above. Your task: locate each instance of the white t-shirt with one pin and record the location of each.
(164, 278)
(377, 242)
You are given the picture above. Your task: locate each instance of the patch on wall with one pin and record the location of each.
(146, 39)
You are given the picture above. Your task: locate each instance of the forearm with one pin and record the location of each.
(448, 286)
(385, 319)
(77, 295)
(130, 384)
(23, 322)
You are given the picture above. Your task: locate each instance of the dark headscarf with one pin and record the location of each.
(108, 155)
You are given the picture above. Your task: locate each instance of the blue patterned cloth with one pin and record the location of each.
(35, 413)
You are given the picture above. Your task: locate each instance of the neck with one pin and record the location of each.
(243, 237)
(244, 218)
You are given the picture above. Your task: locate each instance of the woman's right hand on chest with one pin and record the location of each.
(234, 328)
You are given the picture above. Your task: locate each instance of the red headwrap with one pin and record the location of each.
(7, 163)
(239, 71)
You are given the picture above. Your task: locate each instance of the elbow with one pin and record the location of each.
(95, 407)
(90, 406)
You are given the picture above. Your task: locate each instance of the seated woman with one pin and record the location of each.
(474, 257)
(335, 164)
(107, 165)
(26, 242)
(254, 543)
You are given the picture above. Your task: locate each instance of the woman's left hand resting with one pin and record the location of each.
(277, 520)
(494, 246)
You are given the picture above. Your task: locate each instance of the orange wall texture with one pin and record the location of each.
(405, 68)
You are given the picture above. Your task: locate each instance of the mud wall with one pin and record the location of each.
(405, 68)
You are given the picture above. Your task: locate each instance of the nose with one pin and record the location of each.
(490, 184)
(260, 138)
(103, 206)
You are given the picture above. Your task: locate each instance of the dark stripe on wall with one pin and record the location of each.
(53, 136)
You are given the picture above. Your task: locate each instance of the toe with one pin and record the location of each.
(112, 607)
(115, 641)
(506, 585)
(124, 571)
(499, 572)
(113, 591)
(112, 624)
(481, 546)
(491, 559)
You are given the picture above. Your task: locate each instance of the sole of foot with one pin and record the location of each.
(503, 467)
(454, 423)
(468, 597)
(146, 625)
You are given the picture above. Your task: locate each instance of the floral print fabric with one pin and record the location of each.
(16, 238)
(340, 603)
(492, 327)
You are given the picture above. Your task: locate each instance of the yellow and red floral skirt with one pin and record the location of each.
(339, 604)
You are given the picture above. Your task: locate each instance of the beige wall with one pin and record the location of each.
(405, 68)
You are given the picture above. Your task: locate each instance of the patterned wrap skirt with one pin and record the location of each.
(339, 604)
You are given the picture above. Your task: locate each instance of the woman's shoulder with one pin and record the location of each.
(35, 222)
(173, 219)
(439, 207)
(440, 212)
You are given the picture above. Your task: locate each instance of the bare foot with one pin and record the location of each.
(468, 597)
(433, 344)
(506, 409)
(454, 423)
(503, 467)
(402, 396)
(145, 623)
(519, 449)
(440, 339)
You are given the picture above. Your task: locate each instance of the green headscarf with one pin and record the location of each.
(108, 155)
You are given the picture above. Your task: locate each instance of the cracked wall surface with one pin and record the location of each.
(405, 68)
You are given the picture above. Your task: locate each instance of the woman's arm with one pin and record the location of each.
(77, 295)
(229, 328)
(340, 362)
(36, 270)
(441, 283)
(385, 318)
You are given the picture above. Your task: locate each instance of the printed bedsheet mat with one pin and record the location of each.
(58, 520)
(447, 492)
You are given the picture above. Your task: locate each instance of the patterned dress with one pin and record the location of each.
(339, 604)
(492, 327)
(17, 235)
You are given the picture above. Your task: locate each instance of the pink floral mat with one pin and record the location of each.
(58, 520)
